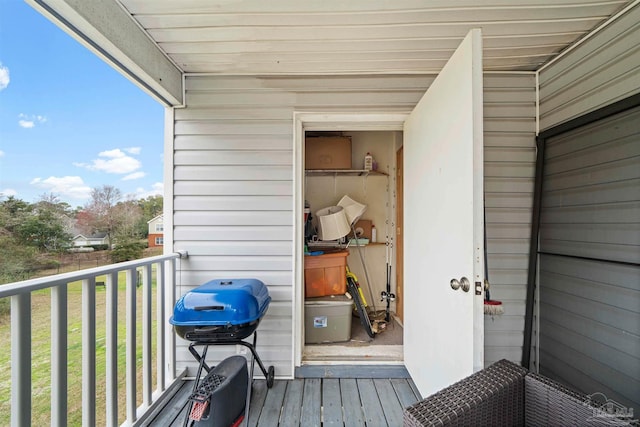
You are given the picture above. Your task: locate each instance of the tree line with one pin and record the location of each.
(30, 231)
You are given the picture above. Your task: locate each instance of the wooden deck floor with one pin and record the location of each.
(312, 402)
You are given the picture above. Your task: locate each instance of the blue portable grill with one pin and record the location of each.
(222, 312)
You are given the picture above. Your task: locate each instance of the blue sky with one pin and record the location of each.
(68, 121)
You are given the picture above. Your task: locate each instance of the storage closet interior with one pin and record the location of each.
(346, 167)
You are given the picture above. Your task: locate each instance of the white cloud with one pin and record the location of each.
(1, 153)
(4, 77)
(135, 175)
(27, 124)
(113, 161)
(157, 189)
(30, 121)
(133, 150)
(65, 186)
(8, 192)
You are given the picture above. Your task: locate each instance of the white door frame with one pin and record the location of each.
(318, 121)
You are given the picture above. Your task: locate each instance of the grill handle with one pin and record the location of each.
(209, 308)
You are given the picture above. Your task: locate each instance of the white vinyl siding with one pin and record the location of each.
(509, 161)
(602, 70)
(234, 183)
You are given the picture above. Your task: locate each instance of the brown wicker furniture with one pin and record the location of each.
(506, 394)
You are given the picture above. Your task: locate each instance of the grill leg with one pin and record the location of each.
(196, 381)
(255, 357)
(199, 358)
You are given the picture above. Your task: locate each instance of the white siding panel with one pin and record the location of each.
(240, 98)
(258, 248)
(234, 186)
(272, 278)
(509, 200)
(231, 233)
(508, 231)
(231, 113)
(235, 203)
(505, 339)
(223, 218)
(508, 139)
(236, 172)
(242, 263)
(513, 185)
(215, 127)
(232, 142)
(602, 70)
(510, 154)
(233, 158)
(506, 276)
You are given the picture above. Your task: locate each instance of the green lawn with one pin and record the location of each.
(41, 344)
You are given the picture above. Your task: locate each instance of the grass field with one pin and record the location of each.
(41, 344)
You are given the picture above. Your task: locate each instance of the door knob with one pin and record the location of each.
(463, 283)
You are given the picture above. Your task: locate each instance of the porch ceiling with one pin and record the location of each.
(294, 37)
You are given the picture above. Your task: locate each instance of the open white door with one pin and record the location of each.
(443, 218)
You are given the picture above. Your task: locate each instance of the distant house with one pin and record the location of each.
(81, 240)
(156, 231)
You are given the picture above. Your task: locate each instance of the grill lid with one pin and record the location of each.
(222, 302)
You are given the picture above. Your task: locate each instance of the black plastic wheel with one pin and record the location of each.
(271, 375)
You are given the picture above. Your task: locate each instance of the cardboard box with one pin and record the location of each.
(327, 319)
(363, 225)
(327, 152)
(325, 274)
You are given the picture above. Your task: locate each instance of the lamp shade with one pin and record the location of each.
(353, 209)
(332, 223)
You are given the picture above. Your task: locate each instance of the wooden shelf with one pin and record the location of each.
(346, 172)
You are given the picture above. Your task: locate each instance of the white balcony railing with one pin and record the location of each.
(136, 274)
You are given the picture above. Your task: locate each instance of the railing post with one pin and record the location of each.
(89, 352)
(161, 328)
(59, 355)
(111, 339)
(170, 300)
(147, 321)
(21, 360)
(130, 367)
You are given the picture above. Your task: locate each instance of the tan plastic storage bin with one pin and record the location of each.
(327, 319)
(325, 274)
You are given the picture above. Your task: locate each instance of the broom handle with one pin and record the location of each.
(486, 257)
(364, 266)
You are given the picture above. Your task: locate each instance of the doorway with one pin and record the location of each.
(371, 261)
(382, 127)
